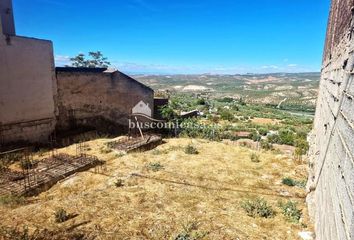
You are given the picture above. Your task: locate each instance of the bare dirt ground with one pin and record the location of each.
(166, 192)
(265, 121)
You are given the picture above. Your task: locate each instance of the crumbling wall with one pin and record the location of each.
(99, 99)
(331, 182)
(27, 89)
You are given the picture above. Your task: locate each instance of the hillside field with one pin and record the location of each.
(184, 189)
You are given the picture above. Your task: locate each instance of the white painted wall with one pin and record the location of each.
(27, 85)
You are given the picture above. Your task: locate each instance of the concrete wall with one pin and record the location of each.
(331, 183)
(7, 23)
(27, 89)
(103, 100)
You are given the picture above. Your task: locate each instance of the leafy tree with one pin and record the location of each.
(201, 101)
(255, 136)
(263, 131)
(286, 137)
(302, 146)
(168, 112)
(96, 60)
(79, 61)
(226, 115)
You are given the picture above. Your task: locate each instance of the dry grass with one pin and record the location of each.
(204, 190)
(265, 121)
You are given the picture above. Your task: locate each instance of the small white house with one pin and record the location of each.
(142, 108)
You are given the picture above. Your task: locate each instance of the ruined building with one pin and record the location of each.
(98, 98)
(36, 99)
(331, 182)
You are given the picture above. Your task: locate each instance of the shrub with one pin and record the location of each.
(266, 145)
(155, 166)
(290, 211)
(263, 131)
(190, 149)
(258, 208)
(254, 157)
(190, 232)
(292, 182)
(26, 164)
(289, 182)
(201, 101)
(301, 183)
(302, 146)
(61, 215)
(119, 183)
(255, 136)
(286, 137)
(226, 115)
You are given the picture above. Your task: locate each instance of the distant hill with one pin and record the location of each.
(290, 89)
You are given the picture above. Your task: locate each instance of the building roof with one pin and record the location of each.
(100, 70)
(80, 69)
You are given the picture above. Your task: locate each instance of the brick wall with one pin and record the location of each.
(331, 183)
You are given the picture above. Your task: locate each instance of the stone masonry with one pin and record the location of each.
(98, 98)
(331, 182)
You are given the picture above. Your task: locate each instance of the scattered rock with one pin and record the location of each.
(284, 193)
(306, 235)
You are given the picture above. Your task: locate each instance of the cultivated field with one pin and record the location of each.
(293, 91)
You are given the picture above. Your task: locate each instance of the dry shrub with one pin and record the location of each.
(258, 207)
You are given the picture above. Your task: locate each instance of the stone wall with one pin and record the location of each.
(331, 182)
(98, 98)
(27, 92)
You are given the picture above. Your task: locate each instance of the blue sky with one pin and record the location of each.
(183, 36)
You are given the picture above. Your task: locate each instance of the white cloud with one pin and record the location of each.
(270, 67)
(146, 68)
(131, 67)
(61, 60)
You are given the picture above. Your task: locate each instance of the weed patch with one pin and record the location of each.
(155, 167)
(292, 182)
(190, 149)
(61, 215)
(290, 211)
(255, 157)
(190, 232)
(258, 207)
(119, 183)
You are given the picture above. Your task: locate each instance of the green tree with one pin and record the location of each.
(96, 60)
(226, 115)
(302, 146)
(286, 136)
(79, 61)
